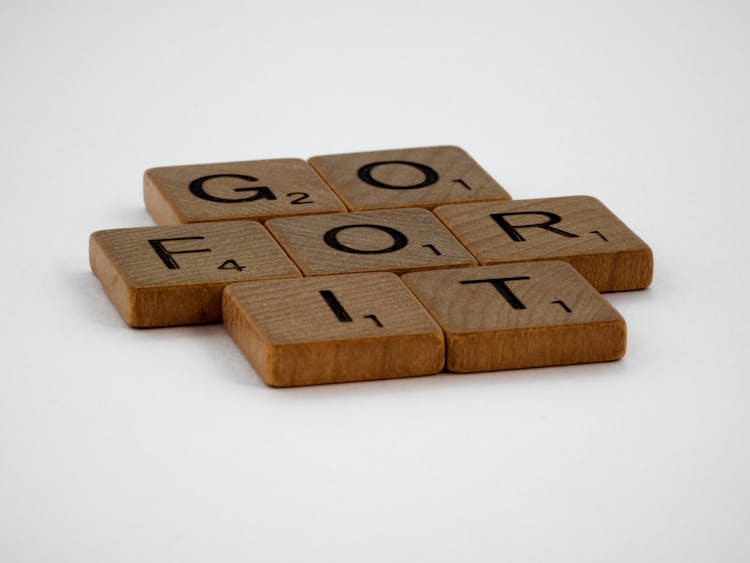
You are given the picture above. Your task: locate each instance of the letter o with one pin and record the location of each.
(399, 239)
(365, 174)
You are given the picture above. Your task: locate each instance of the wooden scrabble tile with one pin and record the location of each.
(519, 315)
(397, 240)
(418, 177)
(579, 230)
(256, 189)
(332, 329)
(161, 276)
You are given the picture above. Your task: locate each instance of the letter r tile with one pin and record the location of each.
(162, 276)
(519, 315)
(579, 230)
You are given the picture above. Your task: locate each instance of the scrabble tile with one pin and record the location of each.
(579, 230)
(161, 276)
(256, 189)
(397, 240)
(519, 315)
(418, 177)
(332, 329)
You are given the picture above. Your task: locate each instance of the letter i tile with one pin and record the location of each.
(331, 329)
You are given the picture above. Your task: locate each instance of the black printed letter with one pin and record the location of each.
(502, 289)
(512, 230)
(365, 174)
(261, 192)
(399, 239)
(335, 306)
(166, 255)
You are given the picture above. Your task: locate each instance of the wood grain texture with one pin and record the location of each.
(416, 177)
(579, 230)
(396, 240)
(162, 276)
(257, 189)
(333, 329)
(549, 315)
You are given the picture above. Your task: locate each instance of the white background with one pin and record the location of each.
(123, 445)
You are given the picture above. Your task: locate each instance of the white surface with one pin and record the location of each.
(163, 445)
